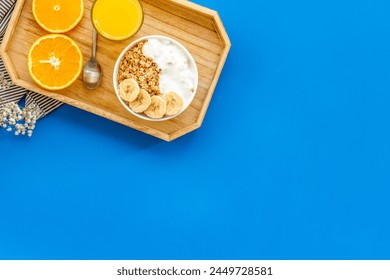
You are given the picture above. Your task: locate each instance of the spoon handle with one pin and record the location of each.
(94, 43)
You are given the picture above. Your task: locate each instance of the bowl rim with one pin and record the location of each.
(116, 70)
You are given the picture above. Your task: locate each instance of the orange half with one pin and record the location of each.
(58, 16)
(55, 61)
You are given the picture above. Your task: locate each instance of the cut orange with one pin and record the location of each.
(55, 61)
(58, 16)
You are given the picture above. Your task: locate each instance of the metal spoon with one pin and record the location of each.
(92, 74)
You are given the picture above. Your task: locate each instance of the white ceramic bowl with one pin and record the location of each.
(191, 61)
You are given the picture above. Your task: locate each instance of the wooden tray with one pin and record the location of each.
(199, 29)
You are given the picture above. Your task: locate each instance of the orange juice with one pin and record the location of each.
(117, 19)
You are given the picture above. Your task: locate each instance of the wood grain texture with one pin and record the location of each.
(199, 29)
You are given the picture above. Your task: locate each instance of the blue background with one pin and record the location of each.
(292, 161)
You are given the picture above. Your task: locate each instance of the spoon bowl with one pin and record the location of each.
(92, 74)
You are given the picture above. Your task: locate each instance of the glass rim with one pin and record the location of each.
(124, 38)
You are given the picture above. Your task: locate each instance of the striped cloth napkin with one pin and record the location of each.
(36, 105)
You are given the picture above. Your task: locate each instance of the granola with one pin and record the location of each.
(135, 65)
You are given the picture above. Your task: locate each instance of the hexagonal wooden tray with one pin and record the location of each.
(199, 29)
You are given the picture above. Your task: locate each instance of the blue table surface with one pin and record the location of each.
(292, 160)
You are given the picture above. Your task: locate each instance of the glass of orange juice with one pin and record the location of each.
(117, 19)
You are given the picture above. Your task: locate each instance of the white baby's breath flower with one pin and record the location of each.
(21, 121)
(4, 83)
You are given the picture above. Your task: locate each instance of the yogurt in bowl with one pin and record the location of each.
(160, 67)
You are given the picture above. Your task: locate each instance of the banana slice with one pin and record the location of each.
(174, 103)
(129, 90)
(142, 102)
(157, 108)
